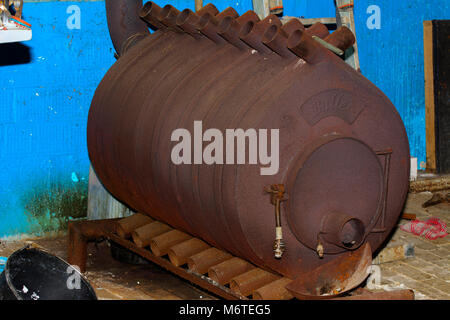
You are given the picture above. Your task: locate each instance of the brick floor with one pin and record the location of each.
(428, 272)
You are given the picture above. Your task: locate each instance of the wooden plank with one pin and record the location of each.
(198, 4)
(408, 216)
(101, 204)
(429, 96)
(441, 80)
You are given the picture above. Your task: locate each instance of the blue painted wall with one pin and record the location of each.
(44, 104)
(44, 101)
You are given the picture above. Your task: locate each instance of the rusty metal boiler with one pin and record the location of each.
(343, 149)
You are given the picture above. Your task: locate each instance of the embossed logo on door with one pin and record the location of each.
(335, 102)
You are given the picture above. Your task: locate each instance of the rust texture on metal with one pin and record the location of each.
(343, 38)
(244, 284)
(245, 73)
(274, 291)
(334, 278)
(127, 225)
(125, 27)
(179, 254)
(222, 273)
(143, 235)
(161, 244)
(245, 280)
(202, 261)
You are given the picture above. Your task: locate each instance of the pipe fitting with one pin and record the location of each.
(252, 33)
(150, 13)
(228, 12)
(318, 29)
(187, 20)
(207, 25)
(168, 17)
(342, 230)
(209, 8)
(291, 26)
(230, 28)
(343, 38)
(306, 48)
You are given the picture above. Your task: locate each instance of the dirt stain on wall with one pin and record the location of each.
(50, 208)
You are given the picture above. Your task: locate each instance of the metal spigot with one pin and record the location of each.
(277, 194)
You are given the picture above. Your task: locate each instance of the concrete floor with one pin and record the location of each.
(427, 273)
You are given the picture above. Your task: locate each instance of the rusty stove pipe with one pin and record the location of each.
(150, 13)
(275, 38)
(230, 28)
(125, 27)
(209, 24)
(188, 20)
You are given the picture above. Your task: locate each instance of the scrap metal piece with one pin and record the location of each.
(437, 198)
(250, 281)
(223, 272)
(274, 291)
(333, 279)
(126, 225)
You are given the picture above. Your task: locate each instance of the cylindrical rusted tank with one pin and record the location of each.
(343, 149)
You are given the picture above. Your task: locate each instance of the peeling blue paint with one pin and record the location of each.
(74, 177)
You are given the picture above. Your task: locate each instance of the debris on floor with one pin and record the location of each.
(35, 274)
(428, 272)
